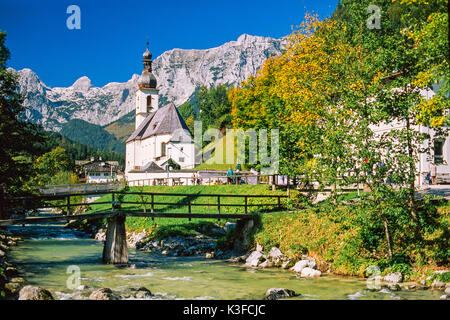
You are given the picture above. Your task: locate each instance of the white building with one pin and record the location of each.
(439, 151)
(160, 133)
(98, 171)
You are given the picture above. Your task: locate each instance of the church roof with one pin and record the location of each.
(163, 121)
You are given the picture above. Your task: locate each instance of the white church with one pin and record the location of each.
(160, 133)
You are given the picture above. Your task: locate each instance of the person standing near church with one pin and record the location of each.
(433, 171)
(230, 176)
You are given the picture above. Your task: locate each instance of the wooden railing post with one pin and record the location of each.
(279, 203)
(245, 204)
(218, 205)
(153, 207)
(189, 206)
(68, 205)
(112, 201)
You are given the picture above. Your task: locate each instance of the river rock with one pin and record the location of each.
(254, 258)
(287, 264)
(100, 235)
(299, 266)
(394, 277)
(279, 293)
(142, 293)
(103, 294)
(393, 287)
(447, 291)
(13, 288)
(18, 280)
(266, 264)
(2, 253)
(444, 297)
(11, 272)
(394, 297)
(276, 256)
(136, 237)
(34, 293)
(310, 273)
(230, 226)
(83, 287)
(438, 284)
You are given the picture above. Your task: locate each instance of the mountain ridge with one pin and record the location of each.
(178, 71)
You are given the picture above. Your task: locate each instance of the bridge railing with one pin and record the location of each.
(80, 188)
(148, 200)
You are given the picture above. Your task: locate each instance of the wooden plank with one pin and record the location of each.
(32, 220)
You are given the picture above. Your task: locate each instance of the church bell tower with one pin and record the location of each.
(147, 94)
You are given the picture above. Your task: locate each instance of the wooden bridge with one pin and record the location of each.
(115, 248)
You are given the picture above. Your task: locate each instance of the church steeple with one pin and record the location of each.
(147, 94)
(147, 60)
(147, 80)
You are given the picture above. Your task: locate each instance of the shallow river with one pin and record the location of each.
(48, 251)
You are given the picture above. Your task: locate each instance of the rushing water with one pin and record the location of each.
(48, 251)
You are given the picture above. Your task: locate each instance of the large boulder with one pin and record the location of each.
(276, 256)
(279, 293)
(142, 293)
(254, 258)
(103, 294)
(299, 266)
(34, 293)
(394, 277)
(310, 273)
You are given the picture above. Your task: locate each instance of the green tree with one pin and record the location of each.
(18, 138)
(51, 163)
(214, 106)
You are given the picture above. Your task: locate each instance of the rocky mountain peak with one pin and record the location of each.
(179, 73)
(82, 84)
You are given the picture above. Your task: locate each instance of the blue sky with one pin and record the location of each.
(112, 38)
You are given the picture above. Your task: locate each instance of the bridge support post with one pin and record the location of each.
(243, 228)
(115, 250)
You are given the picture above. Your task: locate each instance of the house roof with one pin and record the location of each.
(163, 121)
(150, 167)
(99, 166)
(83, 162)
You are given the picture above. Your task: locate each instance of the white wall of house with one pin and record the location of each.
(423, 165)
(99, 177)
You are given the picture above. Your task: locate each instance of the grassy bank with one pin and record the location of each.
(161, 227)
(343, 240)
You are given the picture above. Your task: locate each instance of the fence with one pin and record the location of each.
(147, 200)
(82, 188)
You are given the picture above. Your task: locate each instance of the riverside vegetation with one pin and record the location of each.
(341, 238)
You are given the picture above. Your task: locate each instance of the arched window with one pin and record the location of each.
(163, 149)
(149, 103)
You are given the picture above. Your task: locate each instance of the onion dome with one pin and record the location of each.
(147, 55)
(147, 79)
